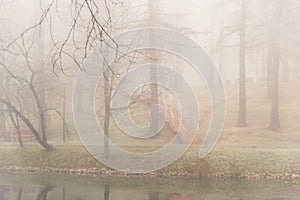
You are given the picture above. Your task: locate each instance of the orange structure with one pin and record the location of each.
(175, 122)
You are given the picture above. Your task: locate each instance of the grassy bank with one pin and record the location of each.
(237, 162)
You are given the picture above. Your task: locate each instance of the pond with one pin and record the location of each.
(68, 187)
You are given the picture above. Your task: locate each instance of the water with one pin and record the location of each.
(67, 187)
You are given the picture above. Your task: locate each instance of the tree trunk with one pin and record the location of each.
(41, 114)
(285, 70)
(2, 116)
(41, 97)
(107, 112)
(152, 9)
(13, 119)
(15, 122)
(274, 59)
(241, 122)
(273, 84)
(2, 120)
(220, 52)
(29, 125)
(274, 119)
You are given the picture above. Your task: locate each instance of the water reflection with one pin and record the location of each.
(58, 187)
(3, 190)
(106, 192)
(43, 193)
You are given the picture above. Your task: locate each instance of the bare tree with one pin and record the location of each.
(29, 83)
(110, 87)
(82, 29)
(14, 118)
(228, 33)
(88, 20)
(241, 122)
(274, 57)
(2, 116)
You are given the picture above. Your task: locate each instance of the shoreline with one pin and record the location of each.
(250, 163)
(107, 172)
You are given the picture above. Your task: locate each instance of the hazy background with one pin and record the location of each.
(44, 42)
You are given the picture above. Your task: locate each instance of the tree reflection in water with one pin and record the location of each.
(41, 187)
(43, 193)
(153, 196)
(106, 192)
(20, 192)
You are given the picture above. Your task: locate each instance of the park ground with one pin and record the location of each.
(222, 161)
(252, 151)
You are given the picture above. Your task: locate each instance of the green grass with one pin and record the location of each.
(239, 162)
(239, 151)
(256, 134)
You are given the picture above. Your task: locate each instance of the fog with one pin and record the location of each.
(233, 82)
(254, 45)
